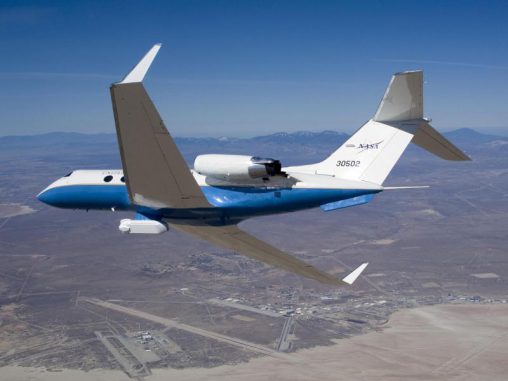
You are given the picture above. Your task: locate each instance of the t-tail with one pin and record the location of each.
(372, 151)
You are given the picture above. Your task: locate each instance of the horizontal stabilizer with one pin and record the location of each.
(359, 200)
(431, 140)
(355, 274)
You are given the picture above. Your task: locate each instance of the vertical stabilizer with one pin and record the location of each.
(371, 153)
(403, 99)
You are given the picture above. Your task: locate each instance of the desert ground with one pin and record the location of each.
(77, 296)
(443, 342)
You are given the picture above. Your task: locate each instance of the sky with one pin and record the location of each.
(247, 68)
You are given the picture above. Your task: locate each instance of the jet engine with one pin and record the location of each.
(237, 167)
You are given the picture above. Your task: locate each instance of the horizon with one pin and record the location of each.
(238, 137)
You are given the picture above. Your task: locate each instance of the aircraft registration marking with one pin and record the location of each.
(347, 163)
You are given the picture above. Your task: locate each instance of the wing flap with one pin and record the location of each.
(233, 238)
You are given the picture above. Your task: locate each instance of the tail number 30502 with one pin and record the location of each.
(348, 163)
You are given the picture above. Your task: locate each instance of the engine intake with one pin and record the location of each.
(237, 167)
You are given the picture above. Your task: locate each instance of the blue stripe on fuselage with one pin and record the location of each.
(268, 200)
(87, 197)
(234, 202)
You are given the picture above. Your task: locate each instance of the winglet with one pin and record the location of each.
(138, 73)
(349, 279)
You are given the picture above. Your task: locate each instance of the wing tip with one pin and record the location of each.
(139, 71)
(352, 276)
(408, 72)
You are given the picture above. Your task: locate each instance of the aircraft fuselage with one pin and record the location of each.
(106, 190)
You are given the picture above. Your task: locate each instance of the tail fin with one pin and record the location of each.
(403, 99)
(373, 150)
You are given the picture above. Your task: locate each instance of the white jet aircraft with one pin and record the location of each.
(222, 190)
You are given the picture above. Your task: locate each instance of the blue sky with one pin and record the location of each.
(244, 68)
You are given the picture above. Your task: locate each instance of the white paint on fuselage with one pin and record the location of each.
(88, 177)
(293, 180)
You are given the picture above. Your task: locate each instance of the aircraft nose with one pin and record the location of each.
(43, 197)
(47, 196)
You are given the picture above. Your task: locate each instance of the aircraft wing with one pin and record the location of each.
(155, 172)
(233, 238)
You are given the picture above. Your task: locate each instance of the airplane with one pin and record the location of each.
(210, 200)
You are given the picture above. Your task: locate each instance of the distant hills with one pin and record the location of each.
(464, 135)
(292, 148)
(468, 135)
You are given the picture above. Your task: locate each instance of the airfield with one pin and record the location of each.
(78, 298)
(452, 342)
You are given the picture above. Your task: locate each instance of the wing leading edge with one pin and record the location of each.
(156, 173)
(233, 238)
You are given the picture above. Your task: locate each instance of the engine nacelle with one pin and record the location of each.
(142, 227)
(237, 167)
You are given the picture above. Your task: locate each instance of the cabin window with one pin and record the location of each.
(122, 179)
(67, 175)
(108, 178)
